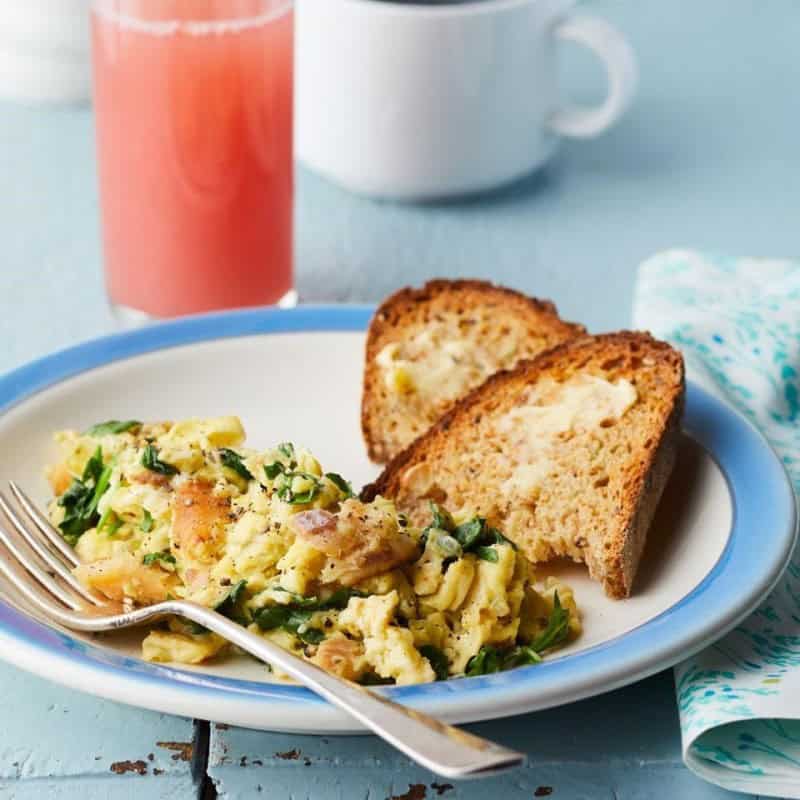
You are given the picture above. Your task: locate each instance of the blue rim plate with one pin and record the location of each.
(758, 547)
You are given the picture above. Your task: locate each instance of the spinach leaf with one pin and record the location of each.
(151, 461)
(228, 605)
(273, 470)
(373, 679)
(289, 619)
(109, 522)
(286, 493)
(196, 629)
(94, 466)
(437, 659)
(491, 659)
(284, 477)
(337, 600)
(486, 554)
(286, 449)
(341, 484)
(447, 545)
(441, 519)
(271, 617)
(557, 629)
(468, 533)
(296, 617)
(487, 660)
(113, 426)
(146, 525)
(78, 517)
(80, 500)
(474, 535)
(520, 656)
(493, 536)
(298, 600)
(340, 598)
(74, 494)
(163, 555)
(477, 537)
(311, 635)
(232, 460)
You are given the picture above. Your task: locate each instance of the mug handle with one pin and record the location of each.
(619, 60)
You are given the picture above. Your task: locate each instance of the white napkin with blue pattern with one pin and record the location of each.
(737, 321)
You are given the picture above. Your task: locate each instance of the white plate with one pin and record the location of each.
(724, 531)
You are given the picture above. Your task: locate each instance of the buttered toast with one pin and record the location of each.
(428, 347)
(567, 453)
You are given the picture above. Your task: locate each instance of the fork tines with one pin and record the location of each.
(35, 550)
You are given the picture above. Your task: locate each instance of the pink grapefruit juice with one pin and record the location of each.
(194, 134)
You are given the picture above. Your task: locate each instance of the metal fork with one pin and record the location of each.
(37, 561)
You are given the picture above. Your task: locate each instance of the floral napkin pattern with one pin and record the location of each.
(737, 321)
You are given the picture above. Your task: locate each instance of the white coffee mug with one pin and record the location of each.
(426, 101)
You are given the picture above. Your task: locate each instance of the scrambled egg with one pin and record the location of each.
(184, 510)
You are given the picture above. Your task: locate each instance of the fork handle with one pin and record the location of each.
(441, 748)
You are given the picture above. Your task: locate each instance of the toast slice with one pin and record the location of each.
(428, 347)
(567, 454)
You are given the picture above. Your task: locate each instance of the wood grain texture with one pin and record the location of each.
(59, 743)
(570, 751)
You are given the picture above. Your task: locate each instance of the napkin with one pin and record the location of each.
(737, 321)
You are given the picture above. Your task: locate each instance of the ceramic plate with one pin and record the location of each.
(724, 531)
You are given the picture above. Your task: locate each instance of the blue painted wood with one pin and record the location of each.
(623, 745)
(59, 743)
(707, 158)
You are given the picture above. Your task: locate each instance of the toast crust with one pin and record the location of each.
(612, 555)
(411, 310)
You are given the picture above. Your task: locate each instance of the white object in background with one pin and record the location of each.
(44, 50)
(419, 102)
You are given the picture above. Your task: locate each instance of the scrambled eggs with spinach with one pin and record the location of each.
(184, 510)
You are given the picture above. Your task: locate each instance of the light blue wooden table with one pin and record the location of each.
(708, 157)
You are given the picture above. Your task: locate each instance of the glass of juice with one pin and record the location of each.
(193, 105)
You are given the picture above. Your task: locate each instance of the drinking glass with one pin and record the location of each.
(193, 104)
